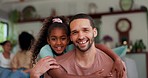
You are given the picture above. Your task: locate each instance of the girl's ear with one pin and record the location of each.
(48, 40)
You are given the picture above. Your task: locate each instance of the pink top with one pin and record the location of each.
(102, 61)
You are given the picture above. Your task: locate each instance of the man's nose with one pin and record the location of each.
(80, 35)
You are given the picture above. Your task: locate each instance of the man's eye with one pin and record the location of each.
(85, 30)
(74, 33)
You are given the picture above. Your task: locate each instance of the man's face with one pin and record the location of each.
(82, 34)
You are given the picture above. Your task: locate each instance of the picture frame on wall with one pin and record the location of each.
(126, 5)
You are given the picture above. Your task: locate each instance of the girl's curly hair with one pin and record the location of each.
(47, 27)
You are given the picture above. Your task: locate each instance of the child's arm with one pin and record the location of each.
(108, 51)
(57, 73)
(42, 66)
(49, 64)
(118, 65)
(45, 51)
(61, 73)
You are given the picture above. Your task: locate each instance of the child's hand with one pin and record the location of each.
(27, 70)
(42, 66)
(98, 74)
(119, 68)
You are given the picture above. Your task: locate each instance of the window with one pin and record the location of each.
(3, 31)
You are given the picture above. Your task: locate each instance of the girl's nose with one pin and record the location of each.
(58, 41)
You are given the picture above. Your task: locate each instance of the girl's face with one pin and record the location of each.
(58, 40)
(7, 47)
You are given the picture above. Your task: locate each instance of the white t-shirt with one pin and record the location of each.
(5, 63)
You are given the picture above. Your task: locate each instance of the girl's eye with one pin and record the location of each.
(53, 39)
(63, 38)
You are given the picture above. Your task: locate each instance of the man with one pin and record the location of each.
(85, 59)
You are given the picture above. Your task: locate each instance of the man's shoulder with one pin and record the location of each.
(101, 54)
(65, 57)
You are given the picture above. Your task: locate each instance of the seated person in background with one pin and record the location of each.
(22, 59)
(49, 35)
(5, 59)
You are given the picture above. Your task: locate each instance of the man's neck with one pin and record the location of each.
(86, 59)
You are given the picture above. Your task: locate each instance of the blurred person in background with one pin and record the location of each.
(21, 63)
(5, 59)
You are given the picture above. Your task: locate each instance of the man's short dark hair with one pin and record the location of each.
(83, 16)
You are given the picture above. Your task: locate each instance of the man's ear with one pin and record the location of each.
(70, 38)
(48, 40)
(95, 32)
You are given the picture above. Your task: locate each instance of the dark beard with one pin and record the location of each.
(89, 46)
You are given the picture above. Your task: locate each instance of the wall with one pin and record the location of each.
(141, 63)
(3, 14)
(32, 28)
(67, 7)
(139, 26)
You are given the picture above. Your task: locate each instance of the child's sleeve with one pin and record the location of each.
(70, 47)
(45, 51)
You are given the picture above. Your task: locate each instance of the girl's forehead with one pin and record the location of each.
(58, 31)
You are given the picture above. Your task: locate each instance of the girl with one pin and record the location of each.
(53, 41)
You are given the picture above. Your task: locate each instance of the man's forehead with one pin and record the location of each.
(80, 22)
(81, 19)
(79, 28)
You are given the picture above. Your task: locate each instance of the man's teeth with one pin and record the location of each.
(82, 42)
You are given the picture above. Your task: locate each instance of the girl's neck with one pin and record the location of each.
(6, 55)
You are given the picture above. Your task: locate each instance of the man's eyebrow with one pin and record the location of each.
(85, 28)
(73, 31)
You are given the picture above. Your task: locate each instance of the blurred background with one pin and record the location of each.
(119, 22)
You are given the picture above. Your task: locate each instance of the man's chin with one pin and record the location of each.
(83, 49)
